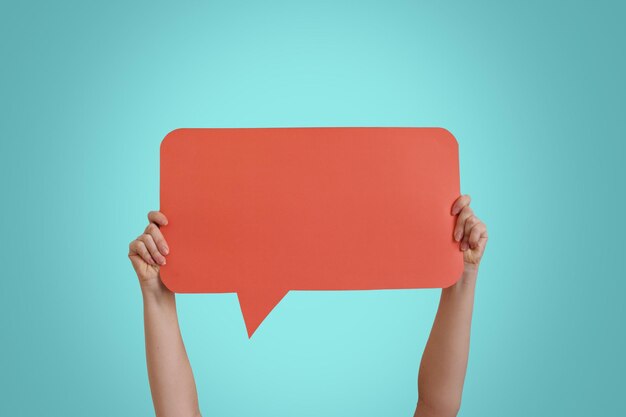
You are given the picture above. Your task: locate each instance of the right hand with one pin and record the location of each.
(147, 253)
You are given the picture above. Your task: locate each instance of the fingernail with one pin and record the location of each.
(164, 261)
(457, 236)
(464, 246)
(166, 250)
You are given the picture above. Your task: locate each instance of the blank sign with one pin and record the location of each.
(261, 212)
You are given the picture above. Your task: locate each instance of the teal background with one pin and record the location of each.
(533, 91)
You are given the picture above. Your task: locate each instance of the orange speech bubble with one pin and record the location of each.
(260, 212)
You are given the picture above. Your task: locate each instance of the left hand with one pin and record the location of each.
(470, 231)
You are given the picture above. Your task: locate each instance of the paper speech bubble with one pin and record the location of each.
(261, 212)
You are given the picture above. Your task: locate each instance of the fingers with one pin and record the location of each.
(154, 231)
(459, 228)
(150, 246)
(460, 203)
(469, 224)
(148, 241)
(477, 232)
(469, 229)
(157, 217)
(138, 248)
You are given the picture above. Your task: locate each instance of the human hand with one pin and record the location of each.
(470, 231)
(147, 253)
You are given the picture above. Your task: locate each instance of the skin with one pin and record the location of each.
(171, 380)
(444, 362)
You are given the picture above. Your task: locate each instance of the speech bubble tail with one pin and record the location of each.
(256, 305)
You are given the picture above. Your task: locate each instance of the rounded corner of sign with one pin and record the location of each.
(171, 136)
(452, 282)
(168, 284)
(456, 274)
(447, 135)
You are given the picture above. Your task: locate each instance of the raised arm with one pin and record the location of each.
(444, 362)
(169, 372)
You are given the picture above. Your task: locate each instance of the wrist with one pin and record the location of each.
(155, 291)
(470, 269)
(469, 275)
(467, 279)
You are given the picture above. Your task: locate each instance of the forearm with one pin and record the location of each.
(169, 372)
(444, 362)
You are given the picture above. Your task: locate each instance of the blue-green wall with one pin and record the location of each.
(533, 91)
